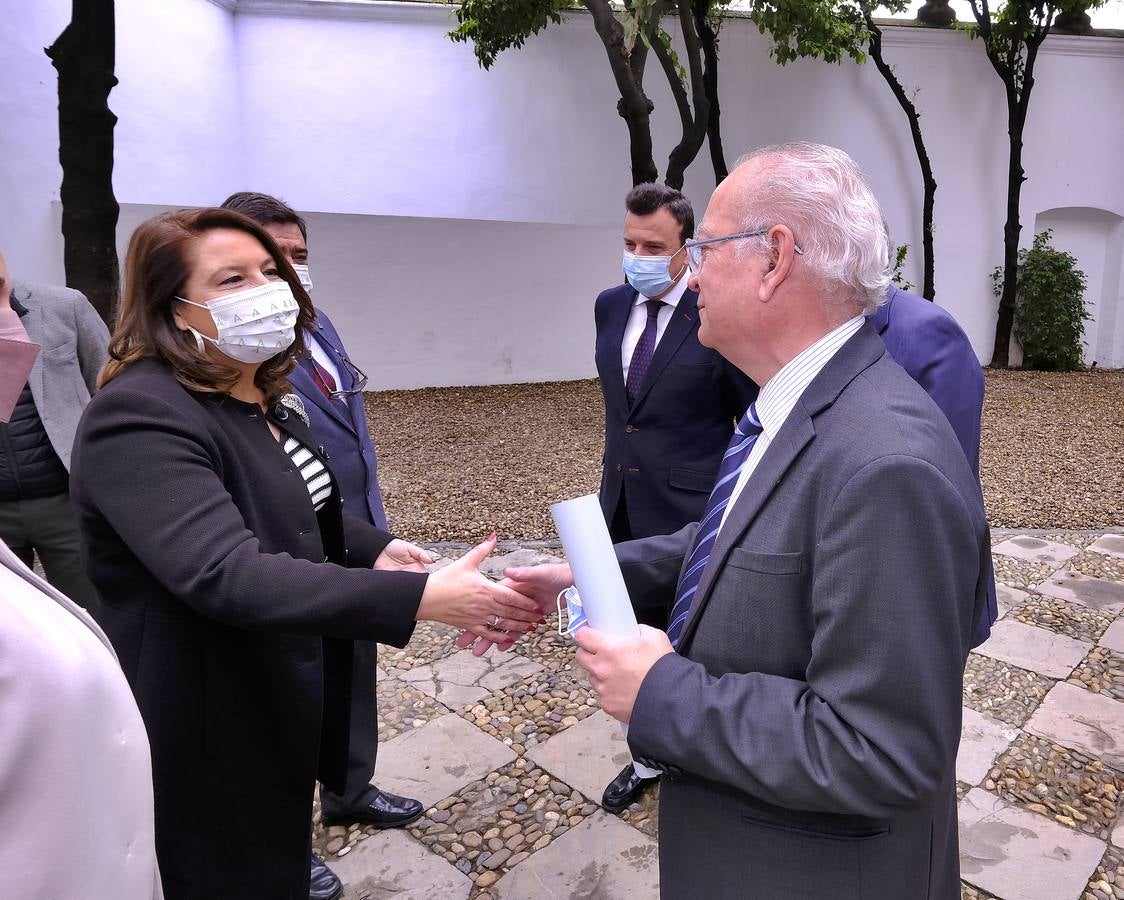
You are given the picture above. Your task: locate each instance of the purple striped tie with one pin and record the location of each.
(742, 441)
(642, 355)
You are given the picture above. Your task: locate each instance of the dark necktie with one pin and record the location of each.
(322, 377)
(642, 355)
(742, 441)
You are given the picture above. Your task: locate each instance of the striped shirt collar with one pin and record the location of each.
(780, 393)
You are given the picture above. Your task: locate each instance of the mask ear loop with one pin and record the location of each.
(559, 606)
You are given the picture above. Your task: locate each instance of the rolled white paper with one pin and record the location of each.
(593, 563)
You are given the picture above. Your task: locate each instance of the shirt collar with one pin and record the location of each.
(780, 393)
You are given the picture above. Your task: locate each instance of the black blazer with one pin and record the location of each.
(226, 596)
(664, 453)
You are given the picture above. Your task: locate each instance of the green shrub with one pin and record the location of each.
(897, 276)
(1050, 309)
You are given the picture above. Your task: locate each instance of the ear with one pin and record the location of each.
(778, 269)
(177, 317)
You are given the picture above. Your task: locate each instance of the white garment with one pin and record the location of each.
(76, 814)
(779, 395)
(638, 318)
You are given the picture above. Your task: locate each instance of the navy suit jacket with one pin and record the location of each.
(664, 452)
(342, 429)
(927, 342)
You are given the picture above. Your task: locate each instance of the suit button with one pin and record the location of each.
(619, 467)
(630, 428)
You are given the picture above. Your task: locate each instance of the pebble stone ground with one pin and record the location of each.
(509, 752)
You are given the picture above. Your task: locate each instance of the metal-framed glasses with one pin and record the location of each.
(695, 248)
(358, 377)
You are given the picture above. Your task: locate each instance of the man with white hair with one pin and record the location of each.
(823, 608)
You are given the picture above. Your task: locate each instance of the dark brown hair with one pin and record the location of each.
(265, 210)
(646, 198)
(156, 269)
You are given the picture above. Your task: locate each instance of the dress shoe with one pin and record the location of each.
(323, 884)
(381, 809)
(624, 789)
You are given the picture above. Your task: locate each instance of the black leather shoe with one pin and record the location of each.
(323, 884)
(379, 808)
(625, 788)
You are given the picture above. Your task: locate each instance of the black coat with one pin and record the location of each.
(665, 450)
(226, 596)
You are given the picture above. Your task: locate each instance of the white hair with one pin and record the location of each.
(819, 192)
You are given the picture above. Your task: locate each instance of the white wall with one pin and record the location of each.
(480, 207)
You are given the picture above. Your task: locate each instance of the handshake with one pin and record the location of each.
(488, 612)
(497, 613)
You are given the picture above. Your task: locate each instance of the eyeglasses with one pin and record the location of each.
(358, 379)
(695, 252)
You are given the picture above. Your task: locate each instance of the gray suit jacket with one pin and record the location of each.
(74, 341)
(809, 725)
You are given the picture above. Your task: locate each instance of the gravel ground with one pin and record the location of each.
(456, 463)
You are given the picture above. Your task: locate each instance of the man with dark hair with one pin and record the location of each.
(331, 387)
(670, 403)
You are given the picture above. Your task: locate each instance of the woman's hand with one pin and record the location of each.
(459, 595)
(402, 556)
(541, 584)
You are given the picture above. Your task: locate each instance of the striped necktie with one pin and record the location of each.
(742, 441)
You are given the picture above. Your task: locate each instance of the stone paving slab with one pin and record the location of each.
(1035, 549)
(1049, 654)
(462, 679)
(981, 741)
(392, 865)
(1091, 723)
(493, 566)
(1012, 853)
(1007, 598)
(438, 759)
(586, 756)
(1110, 544)
(602, 858)
(1096, 593)
(1113, 638)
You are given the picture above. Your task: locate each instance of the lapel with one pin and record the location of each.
(32, 322)
(684, 319)
(858, 354)
(309, 390)
(614, 372)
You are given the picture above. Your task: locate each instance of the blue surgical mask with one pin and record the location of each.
(650, 275)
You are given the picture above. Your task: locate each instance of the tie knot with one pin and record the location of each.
(653, 308)
(749, 423)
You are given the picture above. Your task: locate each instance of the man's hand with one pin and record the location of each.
(541, 583)
(617, 666)
(402, 556)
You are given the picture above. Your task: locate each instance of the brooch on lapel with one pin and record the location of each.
(296, 404)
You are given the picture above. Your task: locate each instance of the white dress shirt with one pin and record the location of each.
(638, 318)
(780, 393)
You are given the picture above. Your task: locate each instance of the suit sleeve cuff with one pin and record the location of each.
(647, 730)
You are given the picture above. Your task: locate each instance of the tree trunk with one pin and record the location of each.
(694, 111)
(634, 106)
(929, 290)
(708, 38)
(84, 58)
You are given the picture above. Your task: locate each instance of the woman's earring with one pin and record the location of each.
(200, 346)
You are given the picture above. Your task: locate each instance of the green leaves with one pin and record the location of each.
(1050, 308)
(493, 26)
(831, 30)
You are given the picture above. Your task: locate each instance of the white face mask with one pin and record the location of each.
(254, 324)
(302, 274)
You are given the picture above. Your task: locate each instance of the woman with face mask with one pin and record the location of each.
(227, 567)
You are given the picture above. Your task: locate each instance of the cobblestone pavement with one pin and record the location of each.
(510, 752)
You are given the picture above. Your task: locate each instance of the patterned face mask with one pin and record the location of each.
(254, 324)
